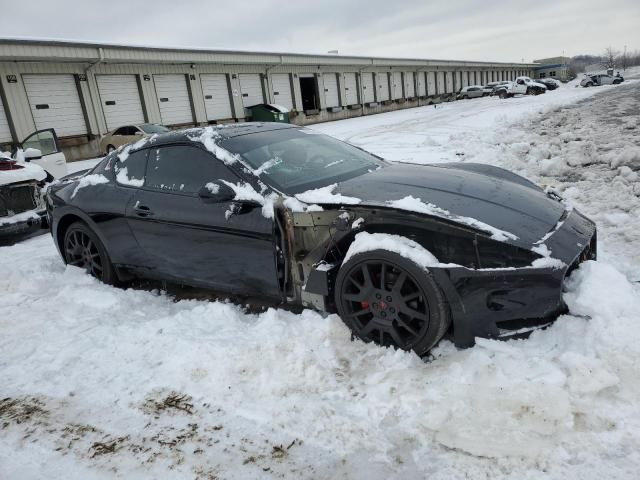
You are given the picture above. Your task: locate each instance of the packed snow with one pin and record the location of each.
(407, 248)
(101, 382)
(325, 195)
(29, 172)
(89, 181)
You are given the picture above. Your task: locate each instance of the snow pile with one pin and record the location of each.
(19, 217)
(412, 204)
(124, 151)
(210, 138)
(123, 178)
(89, 180)
(29, 172)
(187, 397)
(405, 247)
(326, 196)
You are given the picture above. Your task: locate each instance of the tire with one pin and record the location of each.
(529, 91)
(503, 94)
(110, 148)
(616, 82)
(398, 304)
(589, 84)
(82, 248)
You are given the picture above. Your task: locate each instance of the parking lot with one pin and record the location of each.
(120, 383)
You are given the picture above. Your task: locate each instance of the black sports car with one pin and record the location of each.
(401, 252)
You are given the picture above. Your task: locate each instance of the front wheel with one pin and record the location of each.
(83, 249)
(387, 299)
(503, 94)
(589, 84)
(110, 148)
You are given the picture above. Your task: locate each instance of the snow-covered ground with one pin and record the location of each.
(98, 382)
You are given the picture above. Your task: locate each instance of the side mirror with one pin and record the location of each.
(216, 192)
(32, 154)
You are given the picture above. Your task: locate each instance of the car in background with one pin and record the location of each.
(127, 134)
(599, 79)
(278, 211)
(550, 83)
(471, 91)
(533, 87)
(22, 209)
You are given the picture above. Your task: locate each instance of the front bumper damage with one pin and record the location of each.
(495, 303)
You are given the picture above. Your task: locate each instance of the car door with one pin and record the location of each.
(53, 159)
(186, 237)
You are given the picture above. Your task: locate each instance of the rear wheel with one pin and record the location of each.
(387, 299)
(83, 249)
(110, 148)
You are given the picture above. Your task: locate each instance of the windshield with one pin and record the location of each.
(153, 128)
(293, 160)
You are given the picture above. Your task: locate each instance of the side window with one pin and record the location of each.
(130, 172)
(120, 131)
(44, 141)
(184, 169)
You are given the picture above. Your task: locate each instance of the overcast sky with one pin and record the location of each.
(455, 29)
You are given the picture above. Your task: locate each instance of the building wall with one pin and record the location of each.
(193, 64)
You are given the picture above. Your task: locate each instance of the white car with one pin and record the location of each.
(533, 87)
(471, 91)
(43, 149)
(598, 79)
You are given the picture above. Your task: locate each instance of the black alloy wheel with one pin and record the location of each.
(389, 300)
(83, 249)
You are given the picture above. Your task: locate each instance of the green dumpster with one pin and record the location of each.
(268, 112)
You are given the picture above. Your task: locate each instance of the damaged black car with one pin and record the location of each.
(402, 253)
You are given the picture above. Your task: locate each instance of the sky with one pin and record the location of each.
(482, 30)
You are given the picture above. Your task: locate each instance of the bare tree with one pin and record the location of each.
(609, 58)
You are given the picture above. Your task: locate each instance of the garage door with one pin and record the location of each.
(55, 103)
(5, 133)
(281, 88)
(449, 82)
(465, 79)
(431, 83)
(217, 102)
(120, 99)
(440, 82)
(409, 85)
(331, 97)
(251, 89)
(368, 92)
(350, 89)
(396, 85)
(422, 91)
(173, 99)
(382, 82)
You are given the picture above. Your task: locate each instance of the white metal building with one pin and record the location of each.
(85, 90)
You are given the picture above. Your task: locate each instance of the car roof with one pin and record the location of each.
(225, 131)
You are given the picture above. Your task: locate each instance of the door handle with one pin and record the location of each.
(142, 210)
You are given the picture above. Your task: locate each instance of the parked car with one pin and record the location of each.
(127, 134)
(22, 208)
(550, 83)
(471, 91)
(533, 87)
(599, 79)
(399, 251)
(43, 149)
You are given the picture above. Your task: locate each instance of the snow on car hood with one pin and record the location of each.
(29, 172)
(506, 205)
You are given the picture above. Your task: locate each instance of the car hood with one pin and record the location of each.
(487, 194)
